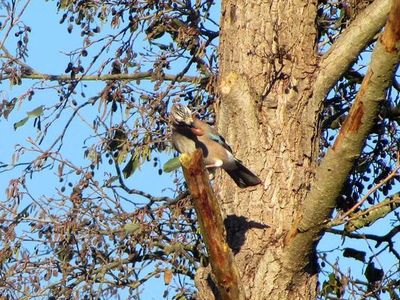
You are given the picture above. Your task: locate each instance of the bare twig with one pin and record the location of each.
(392, 175)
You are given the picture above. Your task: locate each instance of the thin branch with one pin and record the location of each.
(351, 42)
(372, 214)
(134, 76)
(152, 198)
(367, 217)
(387, 238)
(29, 73)
(7, 54)
(392, 175)
(14, 20)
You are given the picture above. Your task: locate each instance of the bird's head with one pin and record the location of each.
(181, 115)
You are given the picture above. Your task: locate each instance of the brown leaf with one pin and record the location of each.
(167, 276)
(60, 169)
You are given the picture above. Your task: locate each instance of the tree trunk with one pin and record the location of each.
(267, 63)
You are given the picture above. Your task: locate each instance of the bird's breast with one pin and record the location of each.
(183, 144)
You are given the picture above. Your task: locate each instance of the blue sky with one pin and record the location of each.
(48, 42)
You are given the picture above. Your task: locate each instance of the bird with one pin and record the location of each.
(189, 133)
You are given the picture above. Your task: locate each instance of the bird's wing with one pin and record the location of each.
(219, 139)
(212, 134)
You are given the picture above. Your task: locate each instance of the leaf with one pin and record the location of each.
(356, 254)
(131, 166)
(36, 112)
(118, 140)
(167, 276)
(23, 214)
(331, 286)
(122, 153)
(161, 46)
(64, 253)
(132, 228)
(60, 169)
(155, 32)
(66, 3)
(373, 274)
(9, 106)
(20, 123)
(93, 155)
(171, 165)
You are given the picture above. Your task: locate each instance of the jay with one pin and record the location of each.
(190, 133)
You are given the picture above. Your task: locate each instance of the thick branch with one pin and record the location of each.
(339, 160)
(211, 226)
(349, 45)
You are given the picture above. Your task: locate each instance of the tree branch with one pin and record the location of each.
(339, 160)
(152, 198)
(16, 60)
(349, 45)
(372, 214)
(135, 76)
(387, 238)
(377, 238)
(211, 226)
(29, 73)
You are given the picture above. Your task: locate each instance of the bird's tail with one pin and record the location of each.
(242, 176)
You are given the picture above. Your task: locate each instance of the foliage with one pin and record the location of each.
(95, 231)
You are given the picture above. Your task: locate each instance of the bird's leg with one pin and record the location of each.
(211, 173)
(212, 167)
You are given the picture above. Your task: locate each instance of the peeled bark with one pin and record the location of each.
(211, 226)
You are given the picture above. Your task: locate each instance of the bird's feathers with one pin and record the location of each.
(181, 115)
(242, 176)
(189, 134)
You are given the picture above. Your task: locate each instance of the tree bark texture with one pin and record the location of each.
(268, 61)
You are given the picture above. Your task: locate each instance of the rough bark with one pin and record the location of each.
(269, 113)
(268, 62)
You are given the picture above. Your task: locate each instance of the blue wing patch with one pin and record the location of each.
(220, 140)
